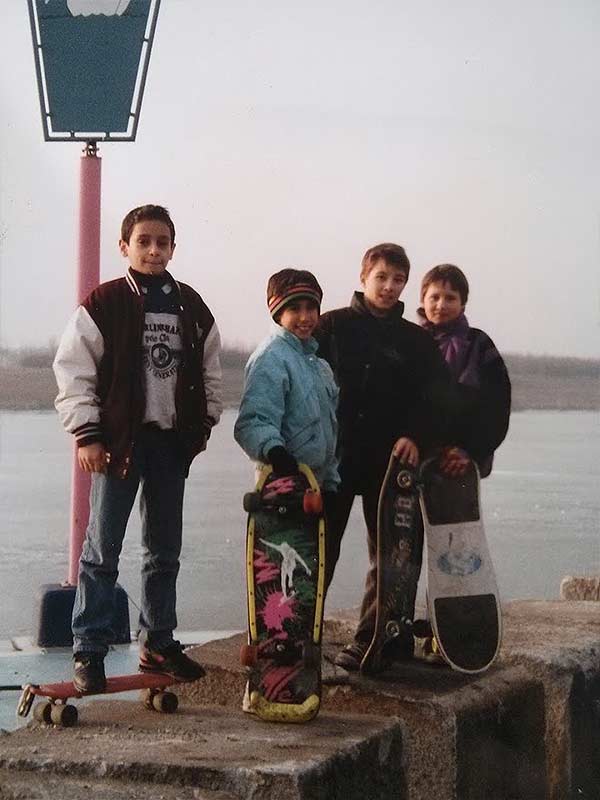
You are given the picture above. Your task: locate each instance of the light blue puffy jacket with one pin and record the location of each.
(290, 399)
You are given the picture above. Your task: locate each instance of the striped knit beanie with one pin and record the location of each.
(290, 285)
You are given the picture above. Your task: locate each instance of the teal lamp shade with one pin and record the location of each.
(91, 58)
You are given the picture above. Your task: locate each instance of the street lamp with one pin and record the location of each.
(91, 62)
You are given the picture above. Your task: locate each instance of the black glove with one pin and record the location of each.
(283, 463)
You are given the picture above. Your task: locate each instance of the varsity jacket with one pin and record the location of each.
(393, 382)
(98, 369)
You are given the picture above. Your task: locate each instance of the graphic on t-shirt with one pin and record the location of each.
(161, 356)
(162, 346)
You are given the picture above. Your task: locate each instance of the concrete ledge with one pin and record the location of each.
(218, 750)
(24, 785)
(559, 646)
(529, 728)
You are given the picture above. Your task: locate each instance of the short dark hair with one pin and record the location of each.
(393, 255)
(450, 274)
(143, 213)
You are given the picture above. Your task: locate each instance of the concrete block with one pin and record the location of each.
(500, 752)
(584, 732)
(335, 757)
(559, 646)
(528, 729)
(54, 608)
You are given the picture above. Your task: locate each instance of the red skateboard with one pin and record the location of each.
(56, 710)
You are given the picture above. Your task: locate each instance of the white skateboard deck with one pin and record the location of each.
(462, 592)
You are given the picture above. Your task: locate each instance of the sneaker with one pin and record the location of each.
(351, 656)
(88, 673)
(332, 674)
(427, 649)
(171, 661)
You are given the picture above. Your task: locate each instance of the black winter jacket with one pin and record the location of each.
(482, 423)
(393, 382)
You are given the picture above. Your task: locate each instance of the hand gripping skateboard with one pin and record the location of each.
(285, 571)
(398, 539)
(462, 594)
(57, 710)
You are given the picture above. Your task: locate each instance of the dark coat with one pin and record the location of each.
(482, 423)
(393, 382)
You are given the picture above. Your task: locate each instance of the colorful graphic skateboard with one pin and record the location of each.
(285, 571)
(398, 537)
(462, 594)
(57, 710)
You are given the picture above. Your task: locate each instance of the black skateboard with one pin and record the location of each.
(398, 538)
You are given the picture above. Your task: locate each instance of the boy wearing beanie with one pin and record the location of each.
(288, 408)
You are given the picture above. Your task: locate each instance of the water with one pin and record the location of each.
(541, 510)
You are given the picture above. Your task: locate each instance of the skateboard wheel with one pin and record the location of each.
(392, 629)
(64, 715)
(248, 655)
(312, 502)
(251, 502)
(165, 702)
(311, 655)
(405, 479)
(42, 712)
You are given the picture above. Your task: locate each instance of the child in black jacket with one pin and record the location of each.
(475, 363)
(393, 384)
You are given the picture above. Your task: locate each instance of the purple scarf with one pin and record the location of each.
(459, 350)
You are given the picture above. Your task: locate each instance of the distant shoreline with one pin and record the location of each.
(539, 383)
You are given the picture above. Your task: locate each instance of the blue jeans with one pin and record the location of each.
(158, 464)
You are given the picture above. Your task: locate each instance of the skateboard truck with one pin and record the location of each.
(25, 701)
(405, 479)
(310, 502)
(395, 627)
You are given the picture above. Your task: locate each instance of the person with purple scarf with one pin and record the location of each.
(476, 365)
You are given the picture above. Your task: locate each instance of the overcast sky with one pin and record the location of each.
(300, 133)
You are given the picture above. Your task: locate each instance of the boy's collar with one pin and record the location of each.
(358, 304)
(136, 280)
(308, 346)
(459, 325)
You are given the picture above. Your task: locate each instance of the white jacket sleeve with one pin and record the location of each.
(213, 375)
(76, 370)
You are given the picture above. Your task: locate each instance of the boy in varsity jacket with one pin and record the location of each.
(139, 382)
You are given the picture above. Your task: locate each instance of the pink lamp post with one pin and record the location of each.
(91, 62)
(88, 277)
